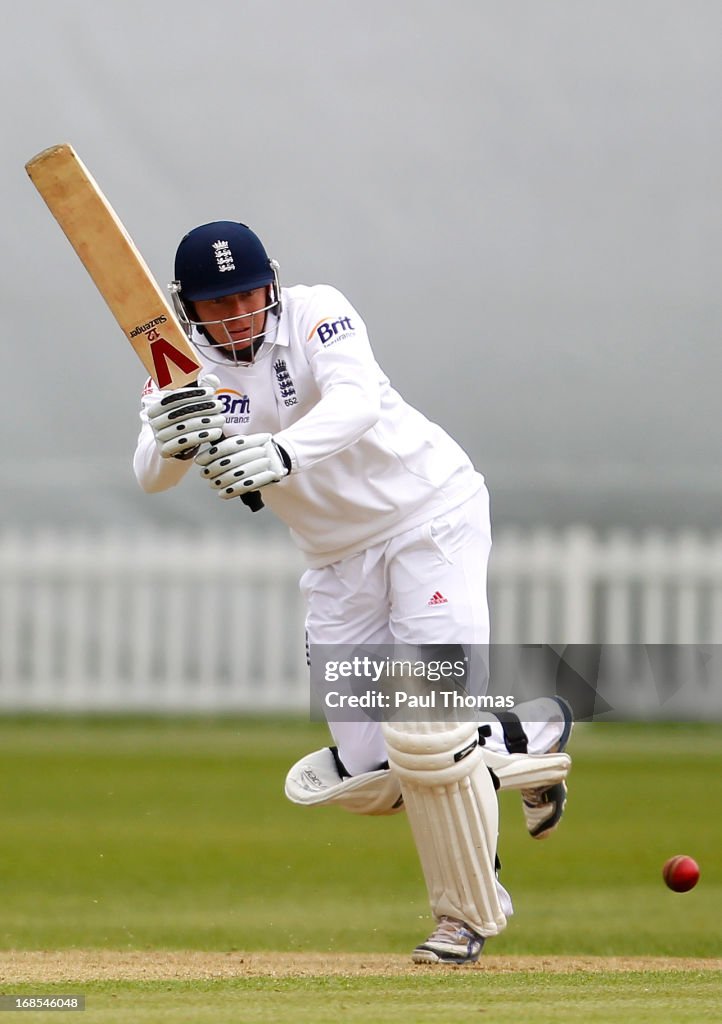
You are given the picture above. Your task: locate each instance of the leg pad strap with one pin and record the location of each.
(527, 771)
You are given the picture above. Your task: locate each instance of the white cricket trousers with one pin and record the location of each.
(424, 586)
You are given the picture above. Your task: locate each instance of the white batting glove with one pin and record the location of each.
(184, 419)
(241, 464)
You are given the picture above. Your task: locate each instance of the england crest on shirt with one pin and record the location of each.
(286, 387)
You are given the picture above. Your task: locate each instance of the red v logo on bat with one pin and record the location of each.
(162, 352)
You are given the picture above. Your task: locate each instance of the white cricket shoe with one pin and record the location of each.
(543, 808)
(451, 942)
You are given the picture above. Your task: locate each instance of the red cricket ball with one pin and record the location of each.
(681, 873)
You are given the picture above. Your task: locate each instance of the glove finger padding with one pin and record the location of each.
(241, 464)
(233, 474)
(183, 419)
(231, 445)
(233, 453)
(248, 484)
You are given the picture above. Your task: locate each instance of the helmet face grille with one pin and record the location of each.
(221, 258)
(241, 353)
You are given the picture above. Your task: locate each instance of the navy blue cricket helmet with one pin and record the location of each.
(221, 258)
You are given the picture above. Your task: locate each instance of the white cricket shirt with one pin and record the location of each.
(366, 465)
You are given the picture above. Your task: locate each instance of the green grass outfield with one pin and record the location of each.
(138, 836)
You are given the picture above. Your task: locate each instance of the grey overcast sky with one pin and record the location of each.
(522, 198)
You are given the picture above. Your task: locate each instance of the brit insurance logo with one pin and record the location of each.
(286, 386)
(236, 407)
(330, 331)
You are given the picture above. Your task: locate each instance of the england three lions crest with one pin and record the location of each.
(286, 387)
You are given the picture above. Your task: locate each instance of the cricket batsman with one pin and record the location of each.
(393, 521)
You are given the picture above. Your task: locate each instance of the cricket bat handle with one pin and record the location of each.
(254, 501)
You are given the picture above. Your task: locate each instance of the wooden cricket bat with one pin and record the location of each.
(119, 271)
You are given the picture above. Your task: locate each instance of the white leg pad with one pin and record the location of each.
(527, 771)
(314, 782)
(454, 815)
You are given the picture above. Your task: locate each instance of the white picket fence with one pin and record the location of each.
(579, 587)
(158, 621)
